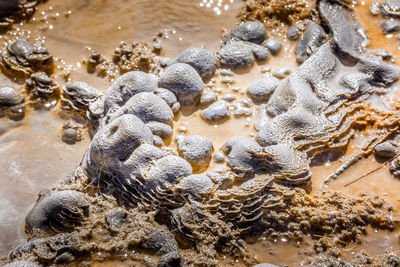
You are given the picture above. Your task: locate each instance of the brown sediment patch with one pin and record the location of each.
(277, 11)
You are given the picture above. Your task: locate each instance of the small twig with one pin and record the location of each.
(366, 174)
(372, 171)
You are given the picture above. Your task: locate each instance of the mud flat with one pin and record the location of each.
(274, 141)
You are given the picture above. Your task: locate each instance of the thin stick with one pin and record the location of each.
(372, 171)
(366, 174)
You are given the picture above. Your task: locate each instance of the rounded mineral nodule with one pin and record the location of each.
(9, 97)
(196, 185)
(58, 211)
(236, 55)
(216, 111)
(196, 150)
(184, 81)
(385, 150)
(252, 31)
(208, 98)
(126, 86)
(203, 61)
(294, 33)
(274, 46)
(262, 88)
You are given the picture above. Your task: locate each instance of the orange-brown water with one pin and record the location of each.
(33, 156)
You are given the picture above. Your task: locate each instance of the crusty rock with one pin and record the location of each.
(345, 30)
(196, 185)
(21, 263)
(184, 81)
(116, 141)
(383, 74)
(391, 8)
(169, 98)
(203, 61)
(375, 8)
(146, 106)
(126, 86)
(262, 88)
(311, 40)
(242, 154)
(208, 98)
(9, 97)
(390, 26)
(58, 211)
(161, 129)
(236, 55)
(294, 32)
(196, 150)
(385, 150)
(168, 170)
(273, 45)
(216, 111)
(252, 31)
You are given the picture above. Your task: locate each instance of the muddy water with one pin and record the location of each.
(32, 158)
(32, 155)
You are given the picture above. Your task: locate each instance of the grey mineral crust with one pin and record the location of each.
(252, 31)
(208, 98)
(81, 96)
(375, 8)
(311, 40)
(169, 98)
(274, 46)
(203, 61)
(242, 154)
(260, 52)
(196, 185)
(184, 81)
(262, 88)
(9, 97)
(161, 129)
(345, 31)
(281, 73)
(219, 157)
(126, 86)
(216, 111)
(196, 150)
(294, 33)
(116, 217)
(115, 142)
(391, 8)
(146, 106)
(236, 55)
(390, 26)
(229, 97)
(356, 83)
(383, 74)
(168, 170)
(58, 211)
(385, 150)
(163, 243)
(384, 54)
